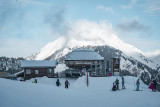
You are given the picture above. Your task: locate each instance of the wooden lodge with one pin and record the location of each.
(38, 68)
(82, 60)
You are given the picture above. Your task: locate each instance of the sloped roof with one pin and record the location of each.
(83, 54)
(39, 63)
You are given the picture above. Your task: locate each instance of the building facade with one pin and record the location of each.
(38, 68)
(116, 66)
(81, 60)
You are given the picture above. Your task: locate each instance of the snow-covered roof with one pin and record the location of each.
(39, 63)
(83, 54)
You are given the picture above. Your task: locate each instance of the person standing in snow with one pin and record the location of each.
(35, 81)
(117, 83)
(66, 83)
(154, 85)
(58, 82)
(137, 83)
(123, 87)
(114, 86)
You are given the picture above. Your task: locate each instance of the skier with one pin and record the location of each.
(154, 85)
(35, 81)
(58, 82)
(66, 83)
(117, 84)
(114, 86)
(137, 83)
(123, 87)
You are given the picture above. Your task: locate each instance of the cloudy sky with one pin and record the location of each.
(28, 25)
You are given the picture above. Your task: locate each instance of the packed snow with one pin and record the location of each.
(45, 93)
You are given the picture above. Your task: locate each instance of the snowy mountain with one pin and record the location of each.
(101, 37)
(154, 56)
(45, 93)
(156, 59)
(85, 33)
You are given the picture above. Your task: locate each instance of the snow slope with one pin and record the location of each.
(98, 94)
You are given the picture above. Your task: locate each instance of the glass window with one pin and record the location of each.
(95, 62)
(28, 71)
(49, 71)
(36, 72)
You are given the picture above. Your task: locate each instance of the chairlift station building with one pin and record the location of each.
(81, 60)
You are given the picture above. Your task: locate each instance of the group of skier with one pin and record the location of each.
(57, 83)
(66, 83)
(116, 85)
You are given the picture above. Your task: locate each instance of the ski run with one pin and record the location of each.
(99, 93)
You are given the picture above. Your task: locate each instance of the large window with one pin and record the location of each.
(28, 71)
(49, 71)
(36, 72)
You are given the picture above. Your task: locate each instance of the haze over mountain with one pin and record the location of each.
(87, 33)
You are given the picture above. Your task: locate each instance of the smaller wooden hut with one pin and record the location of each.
(38, 68)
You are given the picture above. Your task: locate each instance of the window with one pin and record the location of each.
(95, 62)
(28, 71)
(36, 72)
(71, 62)
(49, 71)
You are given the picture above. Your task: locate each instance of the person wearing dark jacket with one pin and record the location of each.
(35, 81)
(66, 83)
(123, 87)
(114, 86)
(117, 83)
(58, 82)
(137, 83)
(154, 85)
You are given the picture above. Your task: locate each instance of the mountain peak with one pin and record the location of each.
(86, 33)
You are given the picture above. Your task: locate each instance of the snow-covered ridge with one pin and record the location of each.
(85, 33)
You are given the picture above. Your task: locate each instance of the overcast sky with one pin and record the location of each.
(28, 25)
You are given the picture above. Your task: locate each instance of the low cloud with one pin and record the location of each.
(55, 18)
(152, 54)
(130, 26)
(27, 25)
(105, 8)
(130, 5)
(19, 47)
(152, 7)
